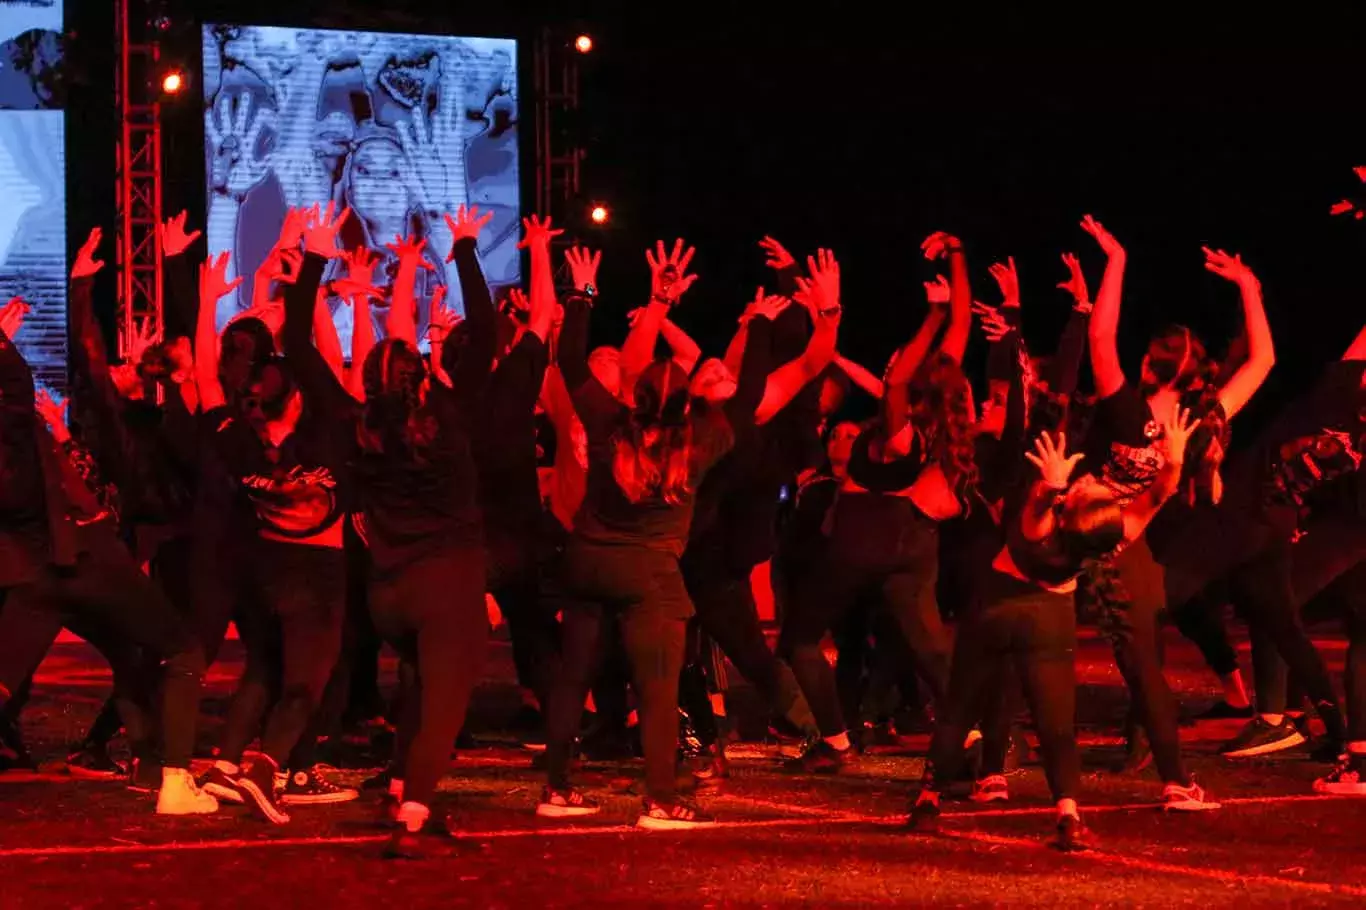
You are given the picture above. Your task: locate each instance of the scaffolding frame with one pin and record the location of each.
(559, 156)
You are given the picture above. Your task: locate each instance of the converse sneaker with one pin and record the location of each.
(221, 785)
(1261, 738)
(257, 786)
(676, 816)
(565, 804)
(1192, 798)
(990, 790)
(1347, 779)
(179, 795)
(311, 788)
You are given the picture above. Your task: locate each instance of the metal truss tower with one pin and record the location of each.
(558, 152)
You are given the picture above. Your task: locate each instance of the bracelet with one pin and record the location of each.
(831, 311)
(660, 298)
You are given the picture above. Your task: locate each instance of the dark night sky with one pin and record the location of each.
(864, 136)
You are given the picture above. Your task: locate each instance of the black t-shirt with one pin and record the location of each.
(505, 443)
(1121, 444)
(890, 476)
(803, 533)
(607, 515)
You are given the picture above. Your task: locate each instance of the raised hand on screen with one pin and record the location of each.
(86, 264)
(429, 181)
(669, 278)
(443, 319)
(233, 128)
(174, 240)
(583, 266)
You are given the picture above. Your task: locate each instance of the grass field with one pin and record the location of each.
(782, 840)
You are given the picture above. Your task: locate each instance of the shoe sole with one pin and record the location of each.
(1279, 745)
(194, 811)
(546, 810)
(534, 747)
(1191, 806)
(1340, 789)
(650, 823)
(318, 799)
(223, 794)
(79, 773)
(990, 797)
(261, 803)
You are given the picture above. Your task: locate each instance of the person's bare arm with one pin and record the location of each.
(1261, 350)
(1104, 328)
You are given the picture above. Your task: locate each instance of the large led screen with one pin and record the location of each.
(33, 181)
(401, 128)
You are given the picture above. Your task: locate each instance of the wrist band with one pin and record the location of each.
(831, 311)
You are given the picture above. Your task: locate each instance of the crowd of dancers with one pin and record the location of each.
(615, 502)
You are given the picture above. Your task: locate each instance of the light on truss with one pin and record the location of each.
(172, 82)
(583, 44)
(598, 214)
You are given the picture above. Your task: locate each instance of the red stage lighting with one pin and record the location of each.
(172, 82)
(583, 44)
(599, 214)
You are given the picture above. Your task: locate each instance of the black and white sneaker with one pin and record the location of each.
(1072, 836)
(565, 804)
(819, 757)
(92, 762)
(221, 785)
(1192, 798)
(257, 786)
(677, 816)
(311, 788)
(1347, 779)
(1261, 738)
(990, 790)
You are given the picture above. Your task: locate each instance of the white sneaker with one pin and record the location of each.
(180, 796)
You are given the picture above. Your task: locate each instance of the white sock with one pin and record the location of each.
(396, 788)
(1068, 807)
(413, 816)
(1274, 720)
(1357, 747)
(227, 767)
(839, 743)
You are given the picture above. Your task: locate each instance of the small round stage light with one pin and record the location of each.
(583, 44)
(599, 214)
(173, 82)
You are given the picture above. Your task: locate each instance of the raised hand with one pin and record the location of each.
(824, 270)
(994, 325)
(233, 135)
(517, 301)
(144, 336)
(360, 269)
(213, 278)
(1076, 282)
(409, 249)
(937, 292)
(1177, 428)
(293, 229)
(443, 319)
(52, 411)
(1230, 267)
(320, 235)
(940, 244)
(767, 306)
(669, 278)
(778, 256)
(1107, 241)
(1008, 280)
(536, 231)
(583, 266)
(86, 263)
(1054, 464)
(172, 236)
(467, 223)
(271, 313)
(12, 316)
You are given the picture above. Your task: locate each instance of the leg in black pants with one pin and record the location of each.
(645, 588)
(514, 582)
(432, 611)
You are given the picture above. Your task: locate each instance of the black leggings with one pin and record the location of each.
(724, 599)
(644, 589)
(880, 546)
(514, 580)
(1033, 632)
(1129, 620)
(432, 612)
(106, 600)
(292, 635)
(868, 673)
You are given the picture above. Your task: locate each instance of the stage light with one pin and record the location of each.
(583, 44)
(599, 214)
(172, 82)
